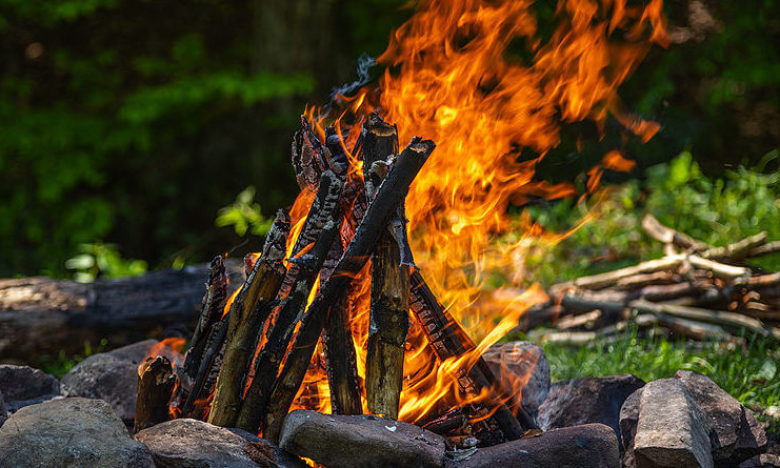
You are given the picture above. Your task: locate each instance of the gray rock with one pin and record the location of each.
(672, 431)
(23, 386)
(588, 446)
(73, 432)
(521, 364)
(360, 441)
(629, 417)
(184, 443)
(735, 433)
(3, 411)
(763, 460)
(586, 401)
(111, 376)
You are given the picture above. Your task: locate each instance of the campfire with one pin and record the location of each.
(335, 314)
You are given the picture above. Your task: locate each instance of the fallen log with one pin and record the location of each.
(43, 316)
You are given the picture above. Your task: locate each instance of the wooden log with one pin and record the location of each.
(449, 340)
(766, 249)
(209, 365)
(248, 312)
(211, 313)
(662, 233)
(156, 382)
(737, 250)
(389, 316)
(43, 316)
(278, 335)
(390, 194)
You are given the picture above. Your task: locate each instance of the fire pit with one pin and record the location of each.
(339, 348)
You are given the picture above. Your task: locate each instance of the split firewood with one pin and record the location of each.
(156, 382)
(208, 371)
(390, 194)
(279, 334)
(449, 340)
(389, 316)
(210, 315)
(248, 312)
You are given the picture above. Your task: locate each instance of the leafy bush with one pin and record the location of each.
(718, 211)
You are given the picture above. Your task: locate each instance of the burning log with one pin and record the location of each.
(390, 194)
(270, 358)
(449, 340)
(210, 315)
(389, 319)
(207, 366)
(156, 382)
(247, 315)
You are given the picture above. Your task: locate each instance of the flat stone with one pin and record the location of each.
(672, 431)
(588, 400)
(735, 433)
(588, 446)
(629, 417)
(23, 386)
(360, 441)
(184, 443)
(111, 376)
(763, 460)
(521, 364)
(72, 432)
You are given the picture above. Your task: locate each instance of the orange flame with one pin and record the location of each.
(450, 77)
(454, 74)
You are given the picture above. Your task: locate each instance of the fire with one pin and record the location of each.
(453, 75)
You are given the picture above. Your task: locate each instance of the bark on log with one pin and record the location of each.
(662, 233)
(41, 316)
(210, 315)
(270, 358)
(389, 316)
(390, 194)
(209, 366)
(248, 312)
(156, 382)
(449, 340)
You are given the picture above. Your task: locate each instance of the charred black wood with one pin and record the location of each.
(249, 311)
(390, 194)
(449, 340)
(156, 382)
(279, 334)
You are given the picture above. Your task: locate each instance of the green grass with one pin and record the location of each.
(749, 373)
(61, 364)
(718, 211)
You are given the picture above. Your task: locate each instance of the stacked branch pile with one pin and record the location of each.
(248, 358)
(695, 291)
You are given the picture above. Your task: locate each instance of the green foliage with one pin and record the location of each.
(127, 132)
(755, 382)
(718, 211)
(244, 214)
(62, 364)
(102, 260)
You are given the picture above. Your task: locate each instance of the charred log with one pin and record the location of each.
(156, 382)
(248, 312)
(390, 194)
